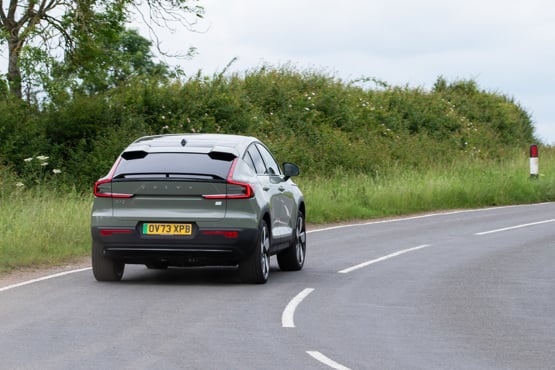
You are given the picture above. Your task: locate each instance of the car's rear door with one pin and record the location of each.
(281, 203)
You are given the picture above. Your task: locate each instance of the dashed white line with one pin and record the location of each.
(287, 317)
(43, 278)
(515, 227)
(326, 360)
(368, 263)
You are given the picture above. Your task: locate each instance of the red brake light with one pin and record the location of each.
(103, 188)
(235, 189)
(110, 232)
(227, 234)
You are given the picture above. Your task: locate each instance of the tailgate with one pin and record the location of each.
(169, 200)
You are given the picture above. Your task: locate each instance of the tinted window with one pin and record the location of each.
(256, 160)
(271, 164)
(248, 160)
(175, 164)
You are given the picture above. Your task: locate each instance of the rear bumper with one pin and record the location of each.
(130, 246)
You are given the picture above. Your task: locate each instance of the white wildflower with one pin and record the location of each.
(56, 171)
(19, 184)
(28, 159)
(42, 158)
(44, 164)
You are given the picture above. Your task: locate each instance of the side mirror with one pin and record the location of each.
(290, 169)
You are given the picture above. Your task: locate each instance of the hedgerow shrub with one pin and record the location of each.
(21, 133)
(320, 122)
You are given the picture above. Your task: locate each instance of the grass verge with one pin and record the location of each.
(42, 228)
(462, 185)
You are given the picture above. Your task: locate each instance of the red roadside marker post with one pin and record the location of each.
(534, 161)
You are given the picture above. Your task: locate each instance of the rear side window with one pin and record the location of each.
(271, 164)
(175, 164)
(255, 159)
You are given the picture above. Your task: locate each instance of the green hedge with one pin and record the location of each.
(316, 120)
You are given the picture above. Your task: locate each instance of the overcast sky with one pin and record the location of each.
(506, 46)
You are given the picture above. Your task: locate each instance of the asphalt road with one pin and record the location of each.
(458, 290)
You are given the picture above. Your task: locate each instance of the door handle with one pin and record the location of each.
(281, 188)
(265, 188)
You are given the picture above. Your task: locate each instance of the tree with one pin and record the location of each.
(126, 55)
(77, 25)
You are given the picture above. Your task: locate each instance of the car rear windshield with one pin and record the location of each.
(174, 165)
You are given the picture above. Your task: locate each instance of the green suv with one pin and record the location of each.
(198, 200)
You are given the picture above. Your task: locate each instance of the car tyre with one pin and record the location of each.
(256, 268)
(104, 268)
(292, 258)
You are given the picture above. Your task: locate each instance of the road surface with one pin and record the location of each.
(455, 290)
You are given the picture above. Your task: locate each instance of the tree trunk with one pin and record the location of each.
(14, 72)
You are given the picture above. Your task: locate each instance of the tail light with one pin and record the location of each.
(103, 189)
(225, 233)
(110, 232)
(235, 189)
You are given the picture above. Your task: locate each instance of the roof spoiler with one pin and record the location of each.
(225, 153)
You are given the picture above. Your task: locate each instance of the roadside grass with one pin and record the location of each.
(45, 226)
(42, 228)
(468, 184)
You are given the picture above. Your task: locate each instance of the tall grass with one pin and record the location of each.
(347, 196)
(42, 228)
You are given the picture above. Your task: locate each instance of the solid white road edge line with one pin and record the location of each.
(288, 314)
(326, 360)
(43, 278)
(515, 227)
(368, 263)
(410, 218)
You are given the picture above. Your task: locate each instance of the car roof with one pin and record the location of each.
(192, 143)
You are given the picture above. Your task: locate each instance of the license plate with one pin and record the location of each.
(167, 229)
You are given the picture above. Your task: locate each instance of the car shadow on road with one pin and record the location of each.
(140, 275)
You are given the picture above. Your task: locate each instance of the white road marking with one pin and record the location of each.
(515, 227)
(368, 263)
(326, 360)
(410, 218)
(43, 278)
(288, 314)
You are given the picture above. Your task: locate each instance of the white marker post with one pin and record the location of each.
(534, 161)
